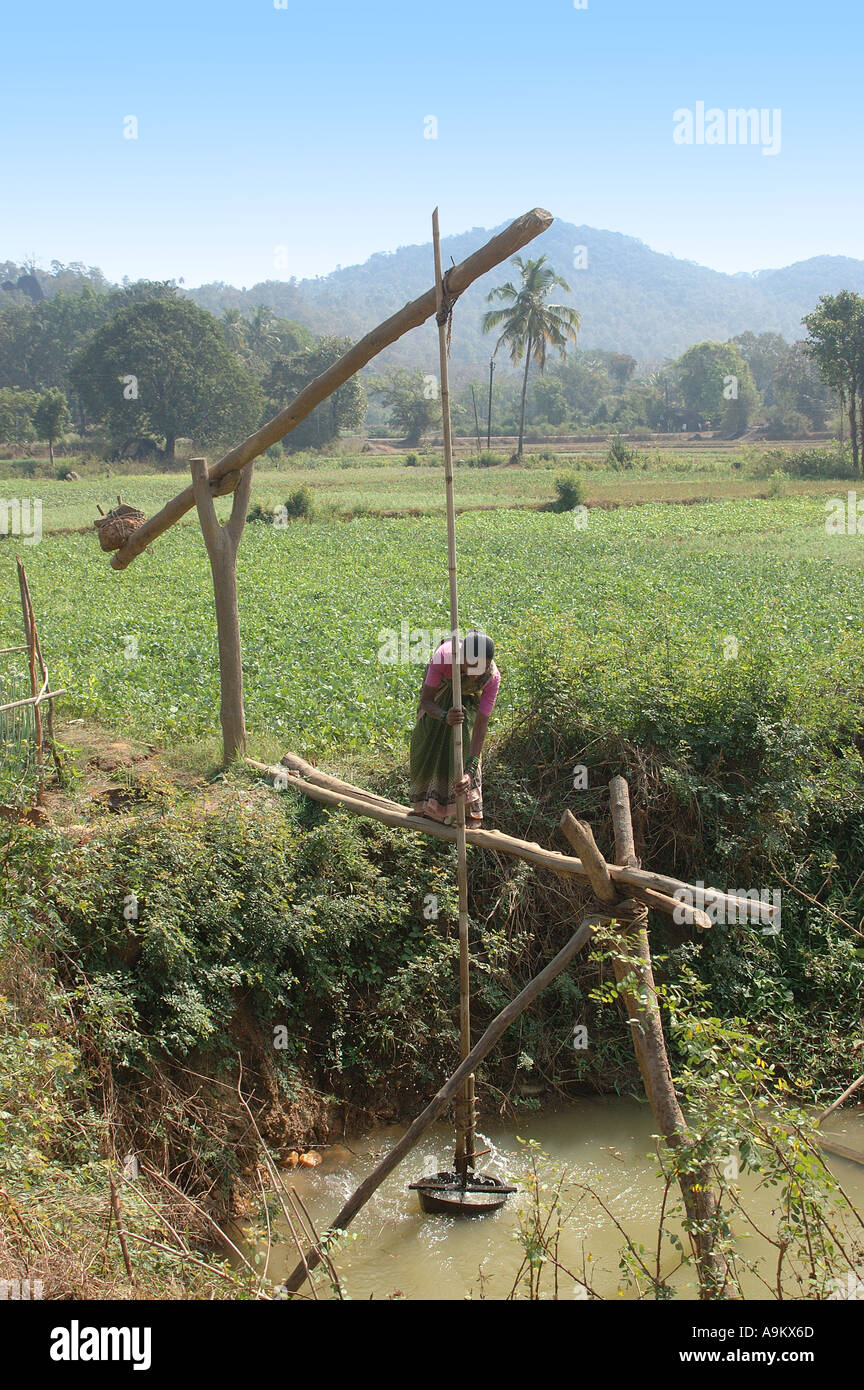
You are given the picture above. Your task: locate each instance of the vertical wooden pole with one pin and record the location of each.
(222, 544)
(646, 1025)
(30, 626)
(30, 633)
(465, 1118)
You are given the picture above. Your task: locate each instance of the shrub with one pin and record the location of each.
(301, 503)
(833, 461)
(777, 484)
(620, 454)
(570, 492)
(820, 461)
(485, 459)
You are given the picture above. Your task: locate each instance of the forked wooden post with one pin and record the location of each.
(222, 544)
(646, 1025)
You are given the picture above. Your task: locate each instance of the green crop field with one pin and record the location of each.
(695, 599)
(392, 486)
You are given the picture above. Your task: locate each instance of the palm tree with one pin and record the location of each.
(262, 334)
(530, 324)
(234, 329)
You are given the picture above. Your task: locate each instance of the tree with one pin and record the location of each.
(799, 390)
(161, 367)
(764, 353)
(51, 418)
(717, 386)
(261, 332)
(16, 415)
(530, 325)
(234, 329)
(621, 368)
(548, 401)
(835, 340)
(413, 404)
(345, 409)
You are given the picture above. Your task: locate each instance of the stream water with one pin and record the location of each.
(604, 1143)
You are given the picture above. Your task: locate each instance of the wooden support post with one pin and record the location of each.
(497, 1028)
(465, 1108)
(222, 544)
(649, 1043)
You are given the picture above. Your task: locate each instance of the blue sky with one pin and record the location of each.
(303, 128)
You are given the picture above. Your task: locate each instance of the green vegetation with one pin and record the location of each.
(652, 581)
(836, 342)
(161, 369)
(713, 653)
(616, 638)
(570, 490)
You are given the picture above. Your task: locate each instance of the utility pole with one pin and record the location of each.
(489, 414)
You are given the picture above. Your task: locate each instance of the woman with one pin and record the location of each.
(433, 786)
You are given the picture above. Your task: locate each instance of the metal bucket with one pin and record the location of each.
(446, 1194)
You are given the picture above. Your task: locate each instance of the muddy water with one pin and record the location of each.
(603, 1143)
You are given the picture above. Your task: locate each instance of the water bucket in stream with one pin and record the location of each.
(447, 1194)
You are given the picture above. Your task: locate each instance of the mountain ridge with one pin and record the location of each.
(632, 299)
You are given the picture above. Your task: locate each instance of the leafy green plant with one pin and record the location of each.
(570, 490)
(620, 454)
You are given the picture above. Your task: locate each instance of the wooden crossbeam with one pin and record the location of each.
(330, 791)
(456, 281)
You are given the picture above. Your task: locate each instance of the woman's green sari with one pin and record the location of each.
(432, 770)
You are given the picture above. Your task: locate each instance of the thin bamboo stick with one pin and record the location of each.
(31, 626)
(30, 633)
(46, 695)
(465, 1129)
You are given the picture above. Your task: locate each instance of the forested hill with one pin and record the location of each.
(632, 299)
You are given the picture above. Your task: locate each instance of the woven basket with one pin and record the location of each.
(117, 526)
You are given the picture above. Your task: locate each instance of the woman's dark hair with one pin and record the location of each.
(478, 648)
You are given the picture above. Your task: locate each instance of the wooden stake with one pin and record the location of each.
(222, 544)
(31, 627)
(30, 634)
(465, 1118)
(121, 1234)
